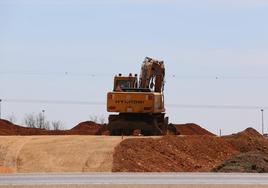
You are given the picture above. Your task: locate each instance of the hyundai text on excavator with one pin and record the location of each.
(139, 102)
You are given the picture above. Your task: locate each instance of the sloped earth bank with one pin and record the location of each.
(246, 152)
(254, 153)
(87, 128)
(83, 128)
(57, 153)
(191, 129)
(171, 154)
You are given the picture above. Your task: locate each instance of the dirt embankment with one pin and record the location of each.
(171, 154)
(191, 129)
(83, 128)
(253, 157)
(248, 140)
(88, 128)
(246, 151)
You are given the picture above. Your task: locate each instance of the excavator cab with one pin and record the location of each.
(123, 83)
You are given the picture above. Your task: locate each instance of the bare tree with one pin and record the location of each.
(93, 118)
(102, 119)
(46, 125)
(97, 119)
(40, 121)
(57, 125)
(12, 118)
(30, 120)
(36, 121)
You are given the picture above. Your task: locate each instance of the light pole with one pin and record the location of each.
(262, 122)
(0, 109)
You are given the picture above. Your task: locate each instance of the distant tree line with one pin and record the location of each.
(38, 121)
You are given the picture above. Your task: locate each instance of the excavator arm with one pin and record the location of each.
(152, 75)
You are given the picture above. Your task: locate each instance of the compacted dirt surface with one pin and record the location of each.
(57, 153)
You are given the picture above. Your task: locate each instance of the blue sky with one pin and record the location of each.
(215, 54)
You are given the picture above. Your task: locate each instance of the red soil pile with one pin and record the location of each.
(7, 128)
(191, 129)
(171, 154)
(248, 140)
(89, 128)
(86, 128)
(254, 153)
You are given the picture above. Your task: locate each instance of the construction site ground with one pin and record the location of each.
(89, 148)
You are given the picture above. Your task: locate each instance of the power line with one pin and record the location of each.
(172, 76)
(60, 74)
(74, 102)
(242, 107)
(41, 101)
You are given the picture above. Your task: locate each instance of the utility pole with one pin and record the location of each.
(262, 122)
(0, 108)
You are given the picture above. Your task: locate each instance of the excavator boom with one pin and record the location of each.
(152, 75)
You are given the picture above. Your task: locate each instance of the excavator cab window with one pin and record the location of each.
(120, 85)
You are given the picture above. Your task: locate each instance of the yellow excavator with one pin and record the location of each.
(139, 103)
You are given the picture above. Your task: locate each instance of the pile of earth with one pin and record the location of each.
(88, 128)
(248, 140)
(249, 162)
(253, 157)
(85, 128)
(191, 129)
(194, 153)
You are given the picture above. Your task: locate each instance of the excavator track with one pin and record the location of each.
(144, 124)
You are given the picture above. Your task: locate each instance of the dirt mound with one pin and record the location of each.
(86, 128)
(250, 162)
(191, 129)
(83, 128)
(7, 128)
(248, 140)
(171, 154)
(89, 128)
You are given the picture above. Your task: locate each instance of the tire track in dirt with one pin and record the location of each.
(67, 154)
(14, 146)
